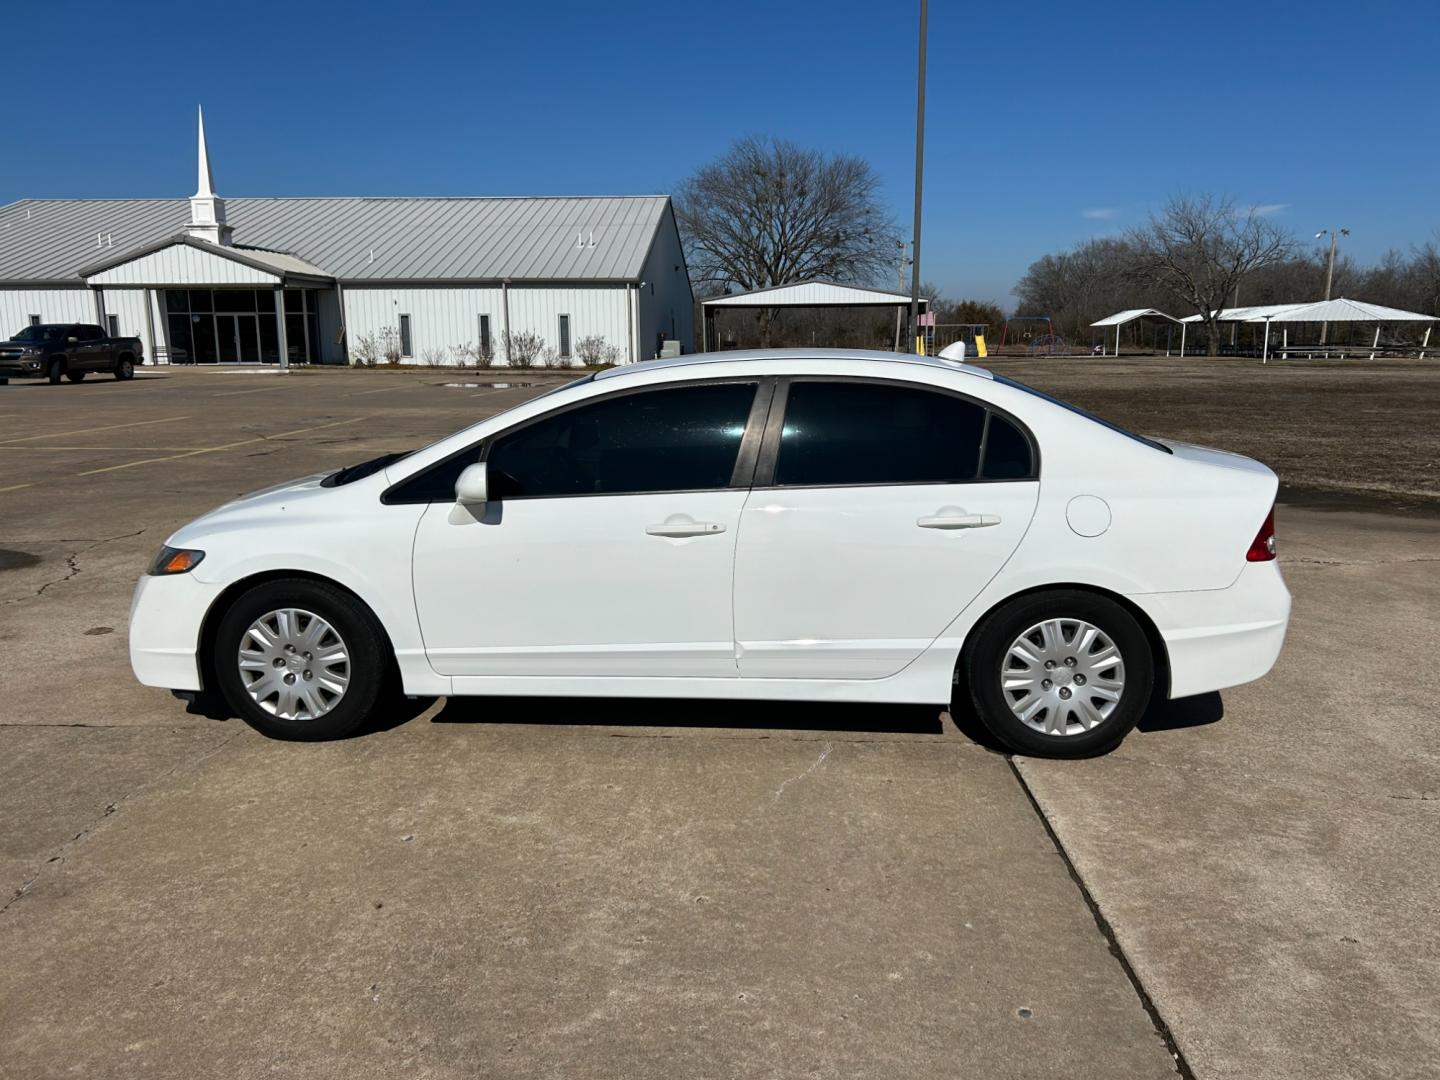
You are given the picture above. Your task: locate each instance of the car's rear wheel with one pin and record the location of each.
(75, 376)
(1060, 674)
(55, 372)
(301, 660)
(125, 368)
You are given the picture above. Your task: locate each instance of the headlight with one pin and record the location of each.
(175, 561)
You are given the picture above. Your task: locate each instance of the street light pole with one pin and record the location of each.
(919, 179)
(1335, 235)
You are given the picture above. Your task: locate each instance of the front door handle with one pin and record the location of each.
(947, 519)
(684, 525)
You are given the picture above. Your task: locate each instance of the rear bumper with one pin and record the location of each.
(1222, 637)
(166, 615)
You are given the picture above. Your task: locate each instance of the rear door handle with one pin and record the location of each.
(958, 521)
(682, 525)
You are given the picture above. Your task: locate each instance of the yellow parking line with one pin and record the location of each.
(227, 446)
(252, 390)
(381, 390)
(123, 449)
(90, 430)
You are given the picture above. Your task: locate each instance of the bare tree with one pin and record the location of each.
(770, 212)
(1199, 248)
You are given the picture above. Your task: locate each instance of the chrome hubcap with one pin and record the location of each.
(293, 664)
(1063, 677)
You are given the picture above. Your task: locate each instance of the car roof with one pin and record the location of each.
(871, 355)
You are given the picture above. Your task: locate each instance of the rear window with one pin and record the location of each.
(859, 433)
(1002, 380)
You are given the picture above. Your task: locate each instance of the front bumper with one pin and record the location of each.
(1222, 637)
(11, 368)
(166, 615)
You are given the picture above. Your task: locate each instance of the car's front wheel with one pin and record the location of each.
(55, 372)
(1060, 674)
(301, 660)
(125, 368)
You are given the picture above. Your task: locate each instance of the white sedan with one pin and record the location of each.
(782, 525)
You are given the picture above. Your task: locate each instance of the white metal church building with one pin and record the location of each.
(249, 280)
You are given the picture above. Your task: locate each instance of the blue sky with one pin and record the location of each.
(1048, 122)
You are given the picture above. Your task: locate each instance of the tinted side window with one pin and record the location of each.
(682, 439)
(90, 333)
(859, 433)
(1007, 452)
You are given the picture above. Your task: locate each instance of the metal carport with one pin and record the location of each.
(1120, 318)
(802, 294)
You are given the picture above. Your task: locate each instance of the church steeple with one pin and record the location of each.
(207, 210)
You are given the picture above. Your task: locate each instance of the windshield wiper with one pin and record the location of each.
(351, 473)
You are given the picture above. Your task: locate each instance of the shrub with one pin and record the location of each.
(366, 351)
(390, 345)
(521, 349)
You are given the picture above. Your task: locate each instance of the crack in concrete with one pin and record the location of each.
(72, 561)
(1309, 562)
(1157, 1022)
(61, 853)
(825, 753)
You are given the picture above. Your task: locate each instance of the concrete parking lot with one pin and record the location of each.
(668, 889)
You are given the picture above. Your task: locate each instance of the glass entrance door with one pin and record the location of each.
(238, 339)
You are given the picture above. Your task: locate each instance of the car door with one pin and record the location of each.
(607, 545)
(880, 510)
(90, 351)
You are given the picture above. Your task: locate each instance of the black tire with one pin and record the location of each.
(368, 668)
(55, 372)
(75, 376)
(124, 368)
(987, 656)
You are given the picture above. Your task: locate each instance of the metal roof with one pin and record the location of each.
(1340, 310)
(277, 262)
(1122, 317)
(1337, 310)
(602, 238)
(813, 294)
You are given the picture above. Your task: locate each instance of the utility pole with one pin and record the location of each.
(1335, 235)
(899, 287)
(919, 178)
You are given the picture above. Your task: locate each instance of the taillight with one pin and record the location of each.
(1262, 548)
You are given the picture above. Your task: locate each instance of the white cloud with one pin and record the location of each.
(1099, 213)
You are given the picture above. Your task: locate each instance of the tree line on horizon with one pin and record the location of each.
(770, 212)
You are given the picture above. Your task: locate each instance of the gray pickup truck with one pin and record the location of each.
(67, 351)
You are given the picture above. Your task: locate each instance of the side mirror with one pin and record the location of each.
(471, 487)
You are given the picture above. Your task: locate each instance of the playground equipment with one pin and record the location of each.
(1048, 345)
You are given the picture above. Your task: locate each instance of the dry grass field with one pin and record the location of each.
(1351, 432)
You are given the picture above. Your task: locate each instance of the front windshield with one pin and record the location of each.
(38, 333)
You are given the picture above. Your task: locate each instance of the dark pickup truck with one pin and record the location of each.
(67, 351)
